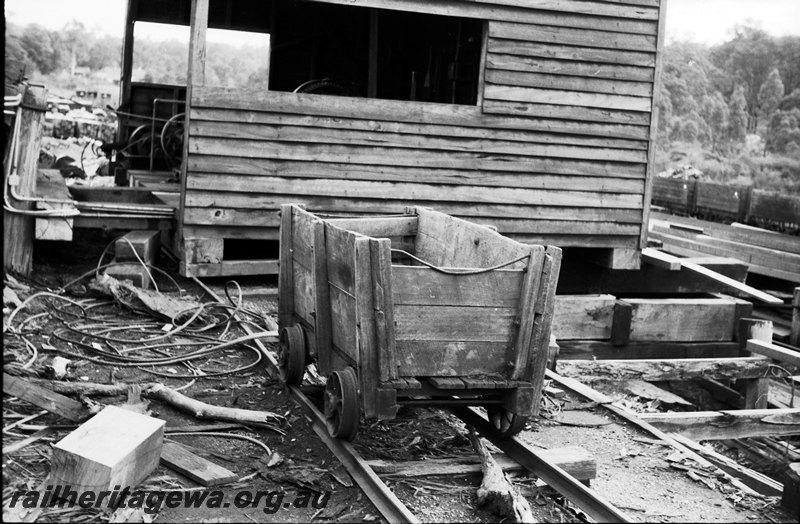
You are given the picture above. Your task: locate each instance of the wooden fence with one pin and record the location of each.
(728, 202)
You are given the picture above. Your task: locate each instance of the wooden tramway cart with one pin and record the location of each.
(414, 309)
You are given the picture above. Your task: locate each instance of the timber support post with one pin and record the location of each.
(18, 229)
(794, 338)
(756, 390)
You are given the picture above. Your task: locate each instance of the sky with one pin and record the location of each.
(704, 21)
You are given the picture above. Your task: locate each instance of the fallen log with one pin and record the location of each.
(496, 492)
(209, 411)
(158, 391)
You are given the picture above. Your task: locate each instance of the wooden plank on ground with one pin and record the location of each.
(575, 460)
(202, 471)
(664, 369)
(44, 398)
(759, 482)
(720, 425)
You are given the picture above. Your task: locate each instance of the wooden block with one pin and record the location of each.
(619, 258)
(134, 272)
(146, 244)
(683, 320)
(202, 471)
(583, 317)
(44, 398)
(114, 448)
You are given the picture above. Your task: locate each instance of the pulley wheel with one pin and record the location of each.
(292, 355)
(341, 404)
(507, 424)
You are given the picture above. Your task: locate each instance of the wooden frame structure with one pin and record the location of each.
(416, 304)
(556, 150)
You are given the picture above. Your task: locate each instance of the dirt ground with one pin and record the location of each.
(644, 479)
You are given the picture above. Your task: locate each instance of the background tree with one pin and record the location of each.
(770, 94)
(737, 116)
(40, 47)
(788, 60)
(715, 113)
(749, 57)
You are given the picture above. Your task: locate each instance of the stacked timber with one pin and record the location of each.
(765, 252)
(556, 150)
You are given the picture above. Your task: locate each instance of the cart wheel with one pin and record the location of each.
(341, 404)
(292, 355)
(507, 424)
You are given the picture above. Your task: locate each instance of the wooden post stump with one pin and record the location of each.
(755, 391)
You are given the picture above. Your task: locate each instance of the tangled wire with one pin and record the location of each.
(192, 338)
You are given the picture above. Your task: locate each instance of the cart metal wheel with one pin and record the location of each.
(341, 404)
(292, 355)
(507, 424)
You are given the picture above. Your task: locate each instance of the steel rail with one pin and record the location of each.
(386, 502)
(553, 475)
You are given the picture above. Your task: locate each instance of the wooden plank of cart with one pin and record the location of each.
(414, 309)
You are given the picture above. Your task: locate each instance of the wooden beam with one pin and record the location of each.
(676, 319)
(617, 258)
(44, 398)
(372, 75)
(794, 337)
(575, 460)
(759, 482)
(604, 350)
(719, 425)
(756, 390)
(738, 286)
(768, 349)
(116, 447)
(655, 116)
(657, 258)
(126, 69)
(196, 76)
(661, 259)
(670, 369)
(578, 277)
(202, 471)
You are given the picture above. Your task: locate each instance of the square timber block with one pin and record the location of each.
(134, 271)
(146, 244)
(116, 447)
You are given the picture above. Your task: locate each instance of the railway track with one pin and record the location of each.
(387, 503)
